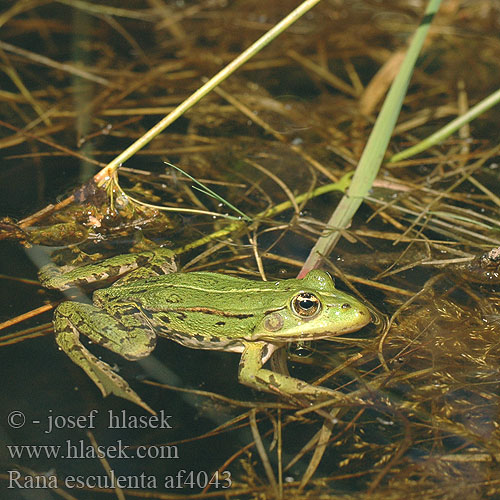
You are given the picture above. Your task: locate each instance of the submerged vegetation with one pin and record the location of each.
(279, 141)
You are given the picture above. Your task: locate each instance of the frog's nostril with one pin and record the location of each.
(346, 305)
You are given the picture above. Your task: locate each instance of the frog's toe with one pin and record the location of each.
(109, 382)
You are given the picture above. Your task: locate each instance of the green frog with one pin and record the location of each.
(200, 310)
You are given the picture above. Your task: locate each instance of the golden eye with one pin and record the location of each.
(306, 305)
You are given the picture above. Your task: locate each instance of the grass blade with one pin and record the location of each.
(373, 154)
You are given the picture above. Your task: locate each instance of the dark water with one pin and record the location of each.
(425, 426)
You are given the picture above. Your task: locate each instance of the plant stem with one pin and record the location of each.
(224, 73)
(477, 110)
(373, 154)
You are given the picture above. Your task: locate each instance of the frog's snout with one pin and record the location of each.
(365, 315)
(356, 313)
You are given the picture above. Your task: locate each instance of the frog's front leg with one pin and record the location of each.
(133, 342)
(252, 373)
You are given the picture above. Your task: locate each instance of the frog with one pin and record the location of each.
(200, 310)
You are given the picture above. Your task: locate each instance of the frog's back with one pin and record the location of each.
(209, 281)
(214, 291)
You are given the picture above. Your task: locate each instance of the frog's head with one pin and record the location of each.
(310, 308)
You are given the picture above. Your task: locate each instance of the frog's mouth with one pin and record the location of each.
(308, 330)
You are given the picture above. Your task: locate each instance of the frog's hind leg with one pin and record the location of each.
(159, 261)
(70, 318)
(123, 268)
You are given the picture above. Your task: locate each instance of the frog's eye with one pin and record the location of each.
(306, 305)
